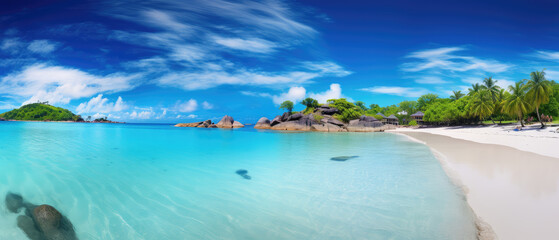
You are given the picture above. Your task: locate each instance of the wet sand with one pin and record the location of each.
(515, 192)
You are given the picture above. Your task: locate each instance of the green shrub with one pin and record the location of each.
(348, 115)
(308, 110)
(413, 123)
(318, 117)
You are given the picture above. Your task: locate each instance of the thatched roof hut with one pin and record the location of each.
(418, 117)
(392, 120)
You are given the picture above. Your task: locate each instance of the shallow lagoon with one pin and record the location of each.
(132, 181)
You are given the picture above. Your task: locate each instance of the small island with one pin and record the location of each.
(44, 112)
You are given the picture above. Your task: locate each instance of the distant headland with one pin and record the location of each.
(43, 112)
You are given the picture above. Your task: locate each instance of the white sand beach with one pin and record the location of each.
(531, 138)
(511, 179)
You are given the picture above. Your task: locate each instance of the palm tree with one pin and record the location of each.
(516, 103)
(499, 104)
(539, 90)
(482, 105)
(490, 84)
(475, 89)
(456, 95)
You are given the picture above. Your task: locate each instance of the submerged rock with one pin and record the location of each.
(47, 218)
(243, 173)
(42, 222)
(343, 158)
(14, 202)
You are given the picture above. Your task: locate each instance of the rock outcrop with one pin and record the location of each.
(321, 120)
(263, 123)
(226, 122)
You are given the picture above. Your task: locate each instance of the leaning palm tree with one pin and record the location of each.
(474, 89)
(516, 103)
(539, 91)
(456, 95)
(482, 105)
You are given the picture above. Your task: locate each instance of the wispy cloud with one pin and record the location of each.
(187, 58)
(448, 59)
(251, 45)
(547, 55)
(42, 46)
(210, 79)
(398, 91)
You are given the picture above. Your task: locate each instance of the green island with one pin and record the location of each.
(41, 112)
(45, 112)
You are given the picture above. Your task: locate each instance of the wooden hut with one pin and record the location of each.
(392, 120)
(418, 117)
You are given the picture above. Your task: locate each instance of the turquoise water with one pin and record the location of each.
(127, 181)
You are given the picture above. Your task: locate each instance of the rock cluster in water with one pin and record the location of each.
(41, 222)
(226, 122)
(321, 120)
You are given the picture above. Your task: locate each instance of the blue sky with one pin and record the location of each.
(183, 61)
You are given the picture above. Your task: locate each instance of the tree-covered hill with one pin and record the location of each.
(40, 112)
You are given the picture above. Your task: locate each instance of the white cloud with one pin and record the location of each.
(447, 59)
(188, 106)
(41, 46)
(56, 84)
(207, 105)
(334, 92)
(142, 114)
(101, 105)
(251, 45)
(295, 94)
(398, 91)
(547, 55)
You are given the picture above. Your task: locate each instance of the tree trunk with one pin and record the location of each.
(521, 117)
(539, 118)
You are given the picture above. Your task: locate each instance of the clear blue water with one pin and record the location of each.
(116, 181)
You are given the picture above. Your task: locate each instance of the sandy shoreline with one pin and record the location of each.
(515, 192)
(530, 139)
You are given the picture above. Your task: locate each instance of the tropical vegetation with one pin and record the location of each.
(536, 98)
(40, 112)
